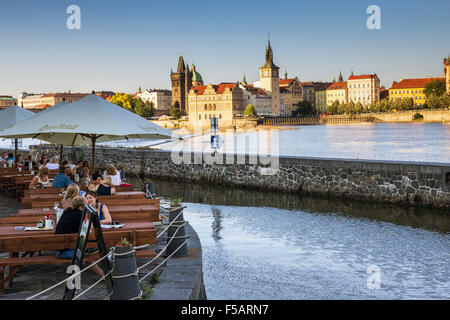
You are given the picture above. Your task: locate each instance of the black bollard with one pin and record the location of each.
(125, 279)
(177, 233)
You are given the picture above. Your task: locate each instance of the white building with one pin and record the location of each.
(257, 97)
(364, 89)
(162, 99)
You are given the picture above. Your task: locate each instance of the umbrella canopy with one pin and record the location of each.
(13, 115)
(87, 121)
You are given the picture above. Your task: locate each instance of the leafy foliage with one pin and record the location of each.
(175, 111)
(434, 87)
(250, 110)
(304, 108)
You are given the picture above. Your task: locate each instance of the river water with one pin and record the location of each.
(269, 245)
(422, 142)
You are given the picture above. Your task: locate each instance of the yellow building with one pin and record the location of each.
(321, 98)
(410, 88)
(447, 74)
(337, 92)
(223, 101)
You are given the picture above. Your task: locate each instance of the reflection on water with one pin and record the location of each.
(269, 245)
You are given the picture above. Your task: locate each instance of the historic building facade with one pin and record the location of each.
(309, 90)
(292, 94)
(337, 92)
(257, 97)
(162, 99)
(223, 101)
(363, 88)
(43, 101)
(410, 88)
(181, 84)
(447, 74)
(269, 80)
(7, 101)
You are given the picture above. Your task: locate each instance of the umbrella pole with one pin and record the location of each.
(15, 148)
(60, 155)
(93, 153)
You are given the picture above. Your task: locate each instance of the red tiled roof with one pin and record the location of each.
(286, 82)
(338, 86)
(219, 88)
(362, 76)
(256, 90)
(412, 83)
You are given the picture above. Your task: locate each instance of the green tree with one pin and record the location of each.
(333, 108)
(175, 111)
(358, 108)
(434, 87)
(250, 110)
(144, 109)
(341, 108)
(123, 100)
(433, 102)
(304, 108)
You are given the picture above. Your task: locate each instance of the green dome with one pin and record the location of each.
(196, 76)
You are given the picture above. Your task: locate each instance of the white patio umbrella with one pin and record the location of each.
(11, 116)
(87, 121)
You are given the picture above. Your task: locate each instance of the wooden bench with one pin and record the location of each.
(51, 190)
(36, 243)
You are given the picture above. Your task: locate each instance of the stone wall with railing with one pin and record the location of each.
(399, 182)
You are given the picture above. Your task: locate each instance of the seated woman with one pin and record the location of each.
(70, 222)
(19, 163)
(95, 182)
(44, 160)
(72, 192)
(77, 169)
(106, 188)
(41, 180)
(53, 164)
(114, 174)
(85, 177)
(102, 209)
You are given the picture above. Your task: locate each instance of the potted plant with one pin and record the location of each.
(175, 203)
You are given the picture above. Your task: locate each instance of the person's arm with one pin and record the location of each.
(106, 215)
(113, 191)
(33, 183)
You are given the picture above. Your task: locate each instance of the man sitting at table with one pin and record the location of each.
(70, 222)
(97, 179)
(61, 180)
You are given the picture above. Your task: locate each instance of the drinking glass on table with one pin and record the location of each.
(55, 206)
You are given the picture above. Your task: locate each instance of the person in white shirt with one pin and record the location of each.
(53, 164)
(112, 172)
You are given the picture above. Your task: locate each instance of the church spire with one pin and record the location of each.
(269, 55)
(285, 72)
(181, 67)
(340, 79)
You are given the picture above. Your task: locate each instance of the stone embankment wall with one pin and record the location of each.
(399, 182)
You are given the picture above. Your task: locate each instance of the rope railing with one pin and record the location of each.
(159, 265)
(71, 276)
(92, 286)
(113, 253)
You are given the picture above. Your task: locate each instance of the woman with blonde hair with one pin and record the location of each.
(112, 172)
(72, 192)
(107, 187)
(41, 180)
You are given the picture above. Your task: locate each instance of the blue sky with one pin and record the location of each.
(126, 44)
